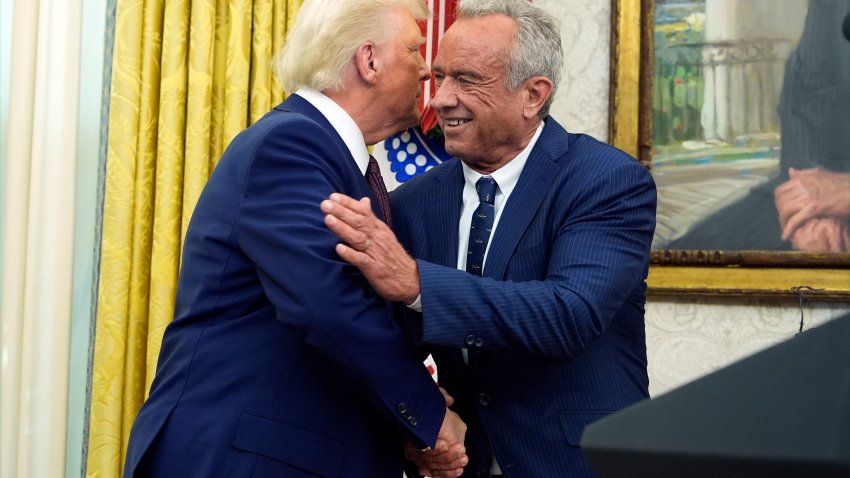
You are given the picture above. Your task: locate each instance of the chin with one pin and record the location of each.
(452, 149)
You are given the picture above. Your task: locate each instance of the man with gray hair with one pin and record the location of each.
(532, 249)
(281, 360)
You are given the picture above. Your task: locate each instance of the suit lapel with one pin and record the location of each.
(444, 214)
(537, 176)
(441, 223)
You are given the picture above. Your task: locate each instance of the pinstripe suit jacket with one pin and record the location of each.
(555, 328)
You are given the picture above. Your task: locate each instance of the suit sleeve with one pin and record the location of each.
(598, 260)
(329, 303)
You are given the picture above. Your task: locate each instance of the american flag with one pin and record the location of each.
(412, 152)
(432, 30)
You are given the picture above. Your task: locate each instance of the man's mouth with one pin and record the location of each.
(456, 122)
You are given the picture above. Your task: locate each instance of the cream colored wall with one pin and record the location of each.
(686, 338)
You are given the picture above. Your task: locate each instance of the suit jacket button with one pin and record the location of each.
(479, 342)
(470, 339)
(402, 408)
(484, 399)
(413, 421)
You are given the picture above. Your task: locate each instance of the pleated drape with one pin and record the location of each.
(187, 76)
(39, 198)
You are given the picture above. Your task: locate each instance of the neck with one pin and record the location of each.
(359, 104)
(497, 159)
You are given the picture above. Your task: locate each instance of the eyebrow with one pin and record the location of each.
(457, 72)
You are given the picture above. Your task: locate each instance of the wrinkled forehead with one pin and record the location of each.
(478, 40)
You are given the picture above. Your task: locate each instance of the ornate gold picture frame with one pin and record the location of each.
(694, 273)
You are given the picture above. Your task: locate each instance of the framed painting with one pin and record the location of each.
(746, 141)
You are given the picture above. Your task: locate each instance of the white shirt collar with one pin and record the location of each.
(341, 122)
(508, 175)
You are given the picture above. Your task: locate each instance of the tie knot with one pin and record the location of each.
(486, 187)
(373, 168)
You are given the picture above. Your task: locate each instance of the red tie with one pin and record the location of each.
(376, 183)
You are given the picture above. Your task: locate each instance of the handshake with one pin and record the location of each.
(448, 457)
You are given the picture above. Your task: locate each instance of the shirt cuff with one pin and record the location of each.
(417, 304)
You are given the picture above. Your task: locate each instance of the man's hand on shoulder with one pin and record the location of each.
(372, 247)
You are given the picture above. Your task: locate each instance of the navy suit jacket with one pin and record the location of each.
(555, 328)
(281, 360)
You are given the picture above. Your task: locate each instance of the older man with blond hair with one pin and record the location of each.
(281, 360)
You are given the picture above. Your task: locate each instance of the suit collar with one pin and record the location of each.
(342, 123)
(297, 104)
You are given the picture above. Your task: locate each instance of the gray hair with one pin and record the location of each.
(325, 36)
(536, 50)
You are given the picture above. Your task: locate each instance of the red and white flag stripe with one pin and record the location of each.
(442, 16)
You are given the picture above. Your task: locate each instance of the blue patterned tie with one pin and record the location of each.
(482, 224)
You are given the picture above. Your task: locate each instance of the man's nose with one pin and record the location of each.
(424, 70)
(444, 97)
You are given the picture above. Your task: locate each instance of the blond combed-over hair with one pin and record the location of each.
(327, 33)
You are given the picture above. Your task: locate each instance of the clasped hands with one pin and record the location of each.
(814, 206)
(448, 457)
(373, 248)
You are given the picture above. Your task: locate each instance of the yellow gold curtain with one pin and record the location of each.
(187, 76)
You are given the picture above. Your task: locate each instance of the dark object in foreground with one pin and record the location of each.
(784, 412)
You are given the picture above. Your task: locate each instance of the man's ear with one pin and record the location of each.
(538, 89)
(364, 60)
